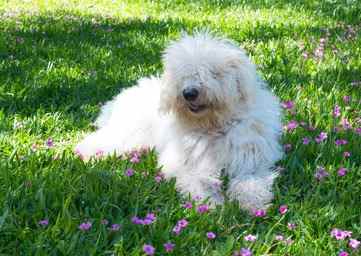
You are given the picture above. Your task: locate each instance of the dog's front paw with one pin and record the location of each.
(252, 193)
(86, 150)
(202, 188)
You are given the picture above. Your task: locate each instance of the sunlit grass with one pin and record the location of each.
(60, 60)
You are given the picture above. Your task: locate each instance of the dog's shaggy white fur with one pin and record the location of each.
(208, 112)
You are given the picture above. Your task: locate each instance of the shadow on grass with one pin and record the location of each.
(60, 61)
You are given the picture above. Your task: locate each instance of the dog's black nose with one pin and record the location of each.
(190, 94)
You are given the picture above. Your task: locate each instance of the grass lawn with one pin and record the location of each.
(60, 60)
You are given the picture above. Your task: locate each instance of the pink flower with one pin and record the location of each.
(211, 235)
(340, 142)
(148, 249)
(319, 52)
(346, 154)
(346, 99)
(306, 141)
(135, 157)
(343, 253)
(336, 111)
(291, 226)
(292, 125)
(99, 153)
(177, 229)
(182, 223)
(305, 55)
(320, 138)
(134, 160)
(158, 178)
(168, 247)
(250, 238)
(114, 227)
(245, 252)
(342, 171)
(85, 226)
(149, 219)
(49, 143)
(77, 153)
(196, 197)
(283, 209)
(43, 222)
(129, 172)
(203, 208)
(345, 124)
(288, 104)
(279, 237)
(353, 243)
(321, 173)
(340, 234)
(188, 205)
(259, 213)
(137, 221)
(358, 130)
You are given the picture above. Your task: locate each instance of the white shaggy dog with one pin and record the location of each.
(207, 113)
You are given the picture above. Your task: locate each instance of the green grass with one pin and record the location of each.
(59, 60)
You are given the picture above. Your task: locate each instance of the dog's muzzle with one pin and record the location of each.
(190, 94)
(192, 97)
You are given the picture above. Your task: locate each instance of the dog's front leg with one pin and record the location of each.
(199, 186)
(252, 191)
(99, 143)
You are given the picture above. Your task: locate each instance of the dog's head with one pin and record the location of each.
(206, 81)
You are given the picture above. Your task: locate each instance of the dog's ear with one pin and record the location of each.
(167, 101)
(243, 71)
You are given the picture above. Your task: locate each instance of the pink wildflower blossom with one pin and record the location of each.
(346, 154)
(188, 205)
(342, 171)
(43, 222)
(283, 209)
(203, 208)
(259, 213)
(279, 237)
(306, 141)
(340, 142)
(336, 111)
(288, 104)
(85, 226)
(292, 125)
(354, 243)
(148, 249)
(340, 234)
(321, 137)
(345, 124)
(211, 235)
(291, 226)
(129, 172)
(321, 173)
(250, 238)
(168, 247)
